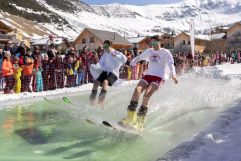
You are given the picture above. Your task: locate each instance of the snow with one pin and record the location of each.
(26, 9)
(26, 35)
(131, 20)
(218, 36)
(225, 71)
(7, 23)
(35, 36)
(135, 39)
(219, 141)
(43, 41)
(200, 36)
(203, 37)
(228, 69)
(86, 87)
(222, 139)
(14, 23)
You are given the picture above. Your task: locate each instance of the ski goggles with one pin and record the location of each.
(153, 43)
(106, 46)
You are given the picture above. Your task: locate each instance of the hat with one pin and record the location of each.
(108, 42)
(156, 37)
(36, 48)
(7, 53)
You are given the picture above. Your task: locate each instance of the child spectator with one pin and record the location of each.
(70, 72)
(28, 63)
(37, 74)
(7, 71)
(17, 75)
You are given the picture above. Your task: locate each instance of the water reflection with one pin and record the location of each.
(8, 126)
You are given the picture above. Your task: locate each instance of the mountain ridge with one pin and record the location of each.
(69, 17)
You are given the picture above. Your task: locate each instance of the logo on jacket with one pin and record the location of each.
(155, 59)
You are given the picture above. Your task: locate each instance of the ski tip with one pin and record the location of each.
(66, 100)
(107, 124)
(49, 101)
(89, 121)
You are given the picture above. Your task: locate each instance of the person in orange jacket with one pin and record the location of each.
(27, 73)
(7, 71)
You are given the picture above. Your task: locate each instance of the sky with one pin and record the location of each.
(132, 2)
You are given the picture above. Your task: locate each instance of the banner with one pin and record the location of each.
(192, 37)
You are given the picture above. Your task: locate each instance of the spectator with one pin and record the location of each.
(91, 58)
(8, 47)
(51, 57)
(28, 63)
(59, 73)
(80, 71)
(17, 75)
(1, 77)
(7, 71)
(37, 74)
(70, 72)
(21, 50)
(45, 73)
(49, 42)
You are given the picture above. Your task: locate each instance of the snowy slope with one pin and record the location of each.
(130, 20)
(30, 29)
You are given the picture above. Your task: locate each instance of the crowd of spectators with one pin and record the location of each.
(28, 70)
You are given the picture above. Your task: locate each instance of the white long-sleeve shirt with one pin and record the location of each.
(110, 63)
(161, 63)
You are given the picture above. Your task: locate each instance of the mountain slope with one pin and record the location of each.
(30, 29)
(70, 17)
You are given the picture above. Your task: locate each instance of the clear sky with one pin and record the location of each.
(133, 2)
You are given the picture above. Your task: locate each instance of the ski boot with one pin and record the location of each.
(102, 98)
(93, 97)
(139, 124)
(140, 121)
(130, 119)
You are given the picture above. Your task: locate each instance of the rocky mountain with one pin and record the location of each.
(70, 17)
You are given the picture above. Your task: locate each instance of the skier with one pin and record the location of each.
(161, 66)
(106, 72)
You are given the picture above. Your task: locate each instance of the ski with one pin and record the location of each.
(68, 101)
(49, 101)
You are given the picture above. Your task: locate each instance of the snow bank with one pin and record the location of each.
(220, 141)
(83, 88)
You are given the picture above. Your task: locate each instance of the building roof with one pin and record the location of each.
(43, 41)
(108, 35)
(7, 23)
(218, 36)
(7, 26)
(136, 40)
(203, 37)
(234, 24)
(197, 36)
(167, 34)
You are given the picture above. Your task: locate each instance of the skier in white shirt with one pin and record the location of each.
(160, 68)
(107, 71)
